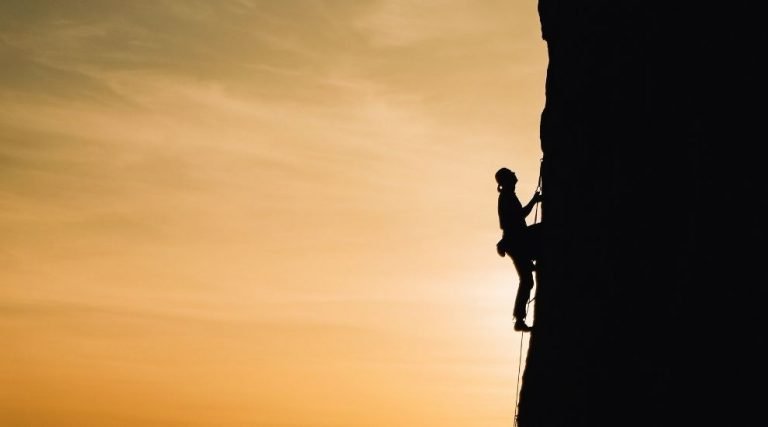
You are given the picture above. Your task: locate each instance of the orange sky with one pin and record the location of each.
(261, 213)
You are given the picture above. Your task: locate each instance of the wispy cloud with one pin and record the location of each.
(291, 199)
(399, 23)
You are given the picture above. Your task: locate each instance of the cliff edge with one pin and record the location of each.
(654, 206)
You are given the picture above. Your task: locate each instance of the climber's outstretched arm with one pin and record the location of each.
(529, 207)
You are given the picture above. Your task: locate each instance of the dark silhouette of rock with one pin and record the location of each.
(651, 264)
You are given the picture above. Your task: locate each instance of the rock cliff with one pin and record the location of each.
(647, 308)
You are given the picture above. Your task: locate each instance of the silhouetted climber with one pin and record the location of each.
(516, 240)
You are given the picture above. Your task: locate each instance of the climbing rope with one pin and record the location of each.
(522, 334)
(519, 364)
(519, 368)
(538, 190)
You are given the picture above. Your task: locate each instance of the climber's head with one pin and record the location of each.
(505, 178)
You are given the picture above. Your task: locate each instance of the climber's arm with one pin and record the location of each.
(529, 207)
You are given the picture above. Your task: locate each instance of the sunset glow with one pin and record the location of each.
(261, 213)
